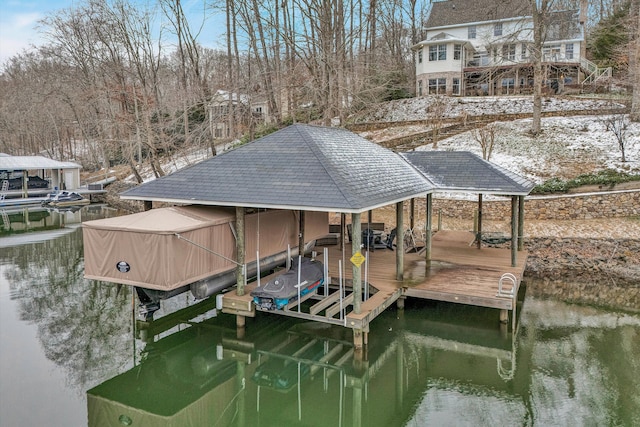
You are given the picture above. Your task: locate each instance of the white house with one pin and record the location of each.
(249, 111)
(475, 47)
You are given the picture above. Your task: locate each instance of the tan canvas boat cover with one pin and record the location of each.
(163, 248)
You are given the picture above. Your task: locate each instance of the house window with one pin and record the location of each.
(497, 29)
(471, 32)
(507, 86)
(442, 52)
(568, 51)
(524, 54)
(419, 87)
(420, 56)
(218, 133)
(551, 52)
(433, 53)
(456, 86)
(438, 52)
(509, 52)
(457, 52)
(437, 86)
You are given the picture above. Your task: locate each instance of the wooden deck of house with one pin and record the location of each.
(459, 273)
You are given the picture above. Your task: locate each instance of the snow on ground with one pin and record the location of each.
(566, 148)
(421, 108)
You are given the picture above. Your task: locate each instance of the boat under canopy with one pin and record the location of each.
(168, 248)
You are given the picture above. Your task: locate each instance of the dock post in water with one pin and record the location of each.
(400, 240)
(240, 248)
(356, 236)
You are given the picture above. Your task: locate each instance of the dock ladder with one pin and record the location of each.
(4, 189)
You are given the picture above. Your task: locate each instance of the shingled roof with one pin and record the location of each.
(462, 171)
(299, 167)
(458, 12)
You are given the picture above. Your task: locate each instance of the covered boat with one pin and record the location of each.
(304, 276)
(167, 251)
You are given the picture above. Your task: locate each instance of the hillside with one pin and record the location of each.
(568, 146)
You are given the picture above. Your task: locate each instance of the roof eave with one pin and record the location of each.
(273, 206)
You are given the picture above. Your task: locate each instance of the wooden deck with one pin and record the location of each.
(459, 273)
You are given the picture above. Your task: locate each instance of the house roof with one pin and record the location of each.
(301, 167)
(20, 163)
(462, 171)
(458, 12)
(444, 37)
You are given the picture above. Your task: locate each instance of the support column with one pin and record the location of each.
(240, 251)
(400, 240)
(514, 230)
(429, 227)
(343, 230)
(301, 233)
(520, 223)
(356, 238)
(412, 213)
(479, 235)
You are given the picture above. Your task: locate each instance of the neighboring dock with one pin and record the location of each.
(459, 273)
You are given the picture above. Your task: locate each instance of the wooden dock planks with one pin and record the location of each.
(459, 273)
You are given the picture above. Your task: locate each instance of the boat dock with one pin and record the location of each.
(459, 273)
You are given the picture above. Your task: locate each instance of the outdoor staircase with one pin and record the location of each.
(594, 75)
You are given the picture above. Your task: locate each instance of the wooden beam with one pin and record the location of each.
(520, 223)
(335, 309)
(356, 236)
(240, 250)
(400, 241)
(324, 303)
(479, 235)
(301, 234)
(514, 231)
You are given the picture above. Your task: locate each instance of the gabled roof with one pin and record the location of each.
(300, 167)
(458, 12)
(443, 37)
(19, 163)
(462, 171)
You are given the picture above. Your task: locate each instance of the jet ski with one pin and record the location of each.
(283, 289)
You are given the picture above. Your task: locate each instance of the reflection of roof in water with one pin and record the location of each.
(36, 236)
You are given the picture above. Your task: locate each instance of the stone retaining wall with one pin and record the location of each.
(571, 206)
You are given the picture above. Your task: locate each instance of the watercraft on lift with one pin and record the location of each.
(165, 252)
(65, 198)
(304, 276)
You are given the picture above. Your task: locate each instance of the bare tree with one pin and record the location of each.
(618, 124)
(485, 136)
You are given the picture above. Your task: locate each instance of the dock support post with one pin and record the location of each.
(356, 237)
(343, 225)
(514, 231)
(301, 234)
(358, 338)
(400, 240)
(504, 316)
(240, 248)
(429, 230)
(400, 303)
(439, 219)
(520, 222)
(479, 235)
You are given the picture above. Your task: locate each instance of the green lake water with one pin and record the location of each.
(73, 353)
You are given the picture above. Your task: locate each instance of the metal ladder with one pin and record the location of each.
(3, 191)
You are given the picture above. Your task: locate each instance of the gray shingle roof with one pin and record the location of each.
(300, 167)
(458, 12)
(466, 172)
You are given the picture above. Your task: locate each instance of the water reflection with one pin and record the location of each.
(431, 364)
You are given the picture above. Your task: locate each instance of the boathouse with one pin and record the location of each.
(311, 168)
(28, 176)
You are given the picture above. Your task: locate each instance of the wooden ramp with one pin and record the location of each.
(459, 273)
